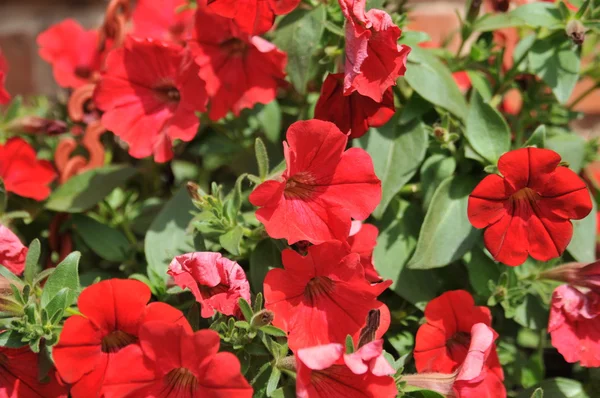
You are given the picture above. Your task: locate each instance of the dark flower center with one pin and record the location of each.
(182, 380)
(167, 93)
(208, 291)
(299, 186)
(116, 340)
(234, 46)
(526, 194)
(318, 286)
(83, 72)
(458, 345)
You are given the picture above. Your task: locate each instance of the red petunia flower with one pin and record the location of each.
(72, 52)
(240, 71)
(322, 187)
(374, 59)
(254, 17)
(322, 297)
(353, 113)
(574, 325)
(19, 376)
(322, 370)
(369, 358)
(463, 81)
(90, 345)
(22, 173)
(163, 20)
(149, 93)
(528, 210)
(362, 240)
(216, 282)
(443, 345)
(174, 362)
(4, 95)
(12, 251)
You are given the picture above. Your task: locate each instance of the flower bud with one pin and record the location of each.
(37, 125)
(193, 189)
(262, 318)
(576, 31)
(441, 383)
(578, 274)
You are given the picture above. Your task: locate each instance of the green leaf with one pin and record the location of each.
(273, 380)
(193, 316)
(273, 331)
(487, 131)
(432, 79)
(570, 147)
(481, 83)
(538, 393)
(446, 233)
(232, 239)
(298, 34)
(556, 61)
(246, 309)
(531, 313)
(543, 15)
(397, 151)
(558, 388)
(265, 257)
(66, 275)
(270, 120)
(13, 109)
(537, 138)
(107, 242)
(583, 243)
(85, 190)
(167, 236)
(56, 307)
(233, 202)
(416, 107)
(262, 158)
(31, 261)
(434, 170)
(533, 370)
(11, 339)
(482, 270)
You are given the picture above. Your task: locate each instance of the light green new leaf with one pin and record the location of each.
(537, 138)
(66, 275)
(31, 260)
(570, 147)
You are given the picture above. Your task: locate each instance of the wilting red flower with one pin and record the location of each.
(322, 187)
(240, 71)
(362, 240)
(90, 345)
(172, 362)
(322, 370)
(19, 376)
(12, 251)
(22, 173)
(528, 210)
(353, 113)
(443, 344)
(253, 16)
(149, 93)
(4, 95)
(216, 282)
(374, 59)
(72, 52)
(577, 274)
(163, 20)
(574, 325)
(322, 297)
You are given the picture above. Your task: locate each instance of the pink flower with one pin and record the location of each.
(12, 251)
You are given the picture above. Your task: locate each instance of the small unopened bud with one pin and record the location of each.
(500, 5)
(287, 363)
(193, 189)
(261, 318)
(576, 31)
(473, 11)
(441, 383)
(37, 125)
(367, 334)
(578, 274)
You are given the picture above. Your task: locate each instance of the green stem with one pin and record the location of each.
(410, 189)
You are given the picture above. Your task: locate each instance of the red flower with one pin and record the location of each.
(172, 361)
(240, 71)
(574, 325)
(322, 297)
(163, 20)
(90, 345)
(322, 371)
(254, 17)
(353, 113)
(369, 358)
(12, 251)
(216, 282)
(149, 93)
(362, 240)
(4, 95)
(443, 345)
(322, 187)
(19, 376)
(528, 210)
(72, 52)
(374, 59)
(22, 173)
(463, 81)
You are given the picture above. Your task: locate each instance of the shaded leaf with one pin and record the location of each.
(265, 257)
(105, 241)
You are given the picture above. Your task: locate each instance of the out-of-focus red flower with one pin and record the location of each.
(463, 81)
(574, 325)
(322, 187)
(240, 71)
(216, 282)
(19, 376)
(374, 59)
(445, 344)
(72, 51)
(21, 171)
(149, 93)
(353, 113)
(512, 103)
(90, 345)
(174, 362)
(12, 251)
(163, 20)
(321, 370)
(4, 95)
(322, 297)
(362, 240)
(254, 17)
(528, 210)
